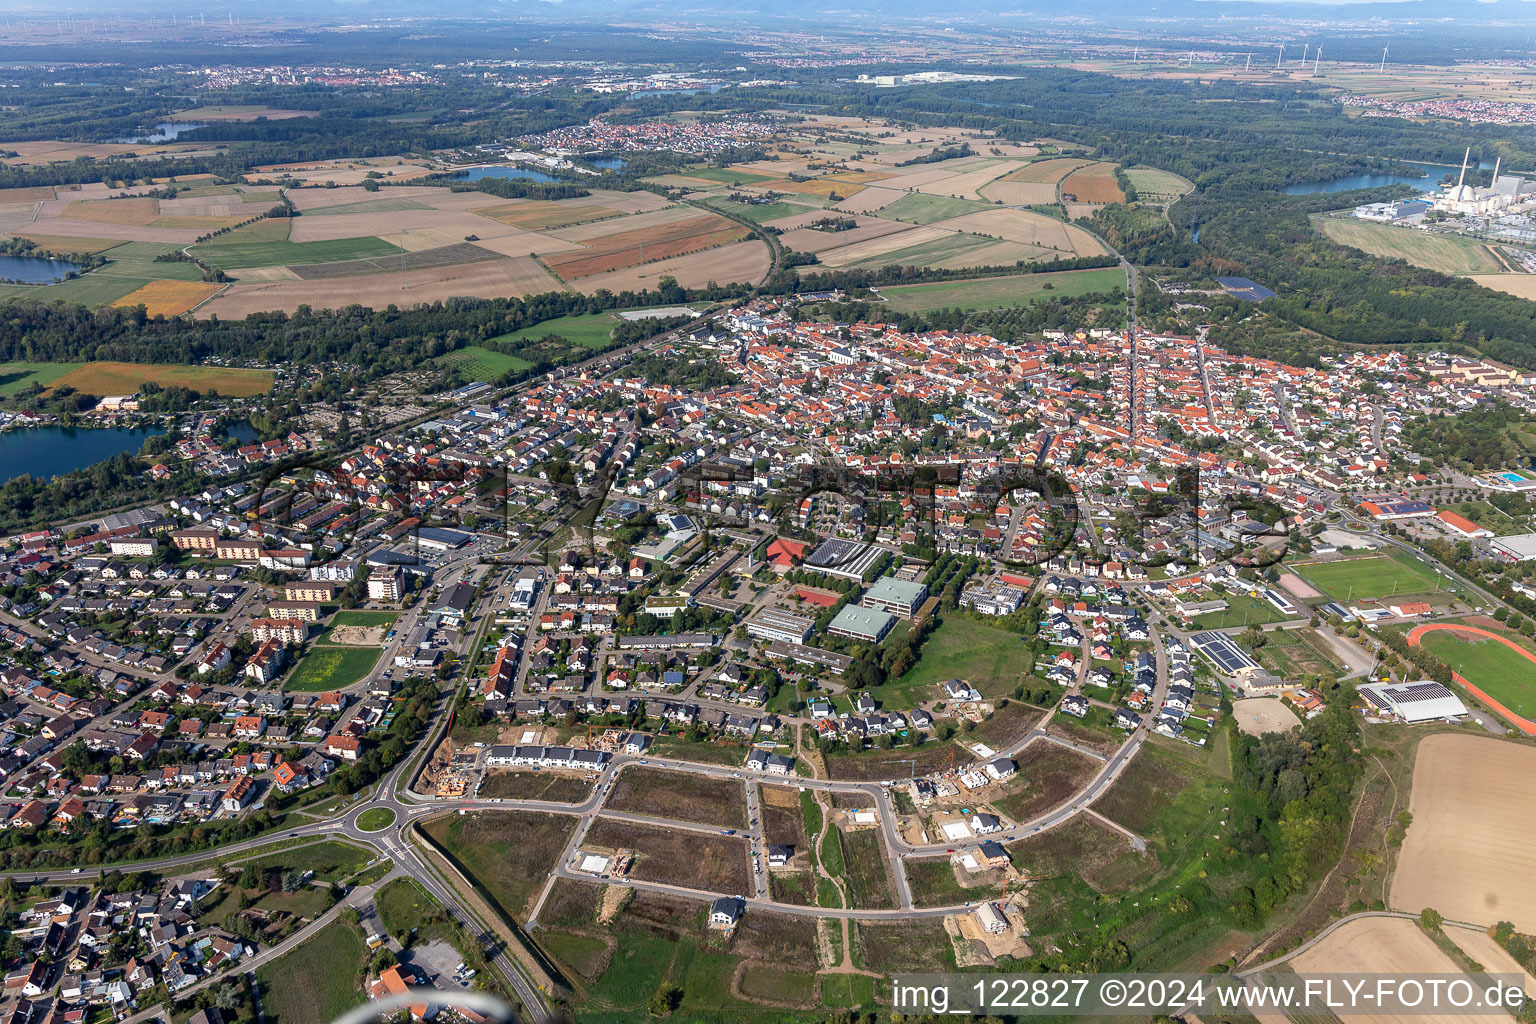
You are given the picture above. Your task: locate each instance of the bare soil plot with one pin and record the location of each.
(746, 261)
(1049, 775)
(1468, 852)
(683, 796)
(1259, 715)
(557, 787)
(510, 853)
(1382, 945)
(169, 298)
(782, 819)
(1020, 193)
(694, 860)
(490, 279)
(919, 945)
(1094, 183)
(628, 248)
(776, 938)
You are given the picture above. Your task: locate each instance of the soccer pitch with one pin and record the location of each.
(1391, 574)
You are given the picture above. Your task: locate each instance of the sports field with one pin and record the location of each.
(1001, 292)
(483, 364)
(1445, 253)
(1501, 673)
(107, 378)
(1393, 574)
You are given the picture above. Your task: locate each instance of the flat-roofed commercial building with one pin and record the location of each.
(771, 624)
(867, 624)
(899, 597)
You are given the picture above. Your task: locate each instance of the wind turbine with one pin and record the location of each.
(1316, 61)
(1304, 47)
(1248, 65)
(1383, 69)
(1280, 59)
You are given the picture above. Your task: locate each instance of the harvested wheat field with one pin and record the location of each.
(239, 113)
(47, 151)
(1051, 171)
(1495, 958)
(744, 261)
(817, 241)
(111, 211)
(1020, 193)
(27, 194)
(1469, 852)
(491, 279)
(168, 298)
(345, 172)
(1520, 285)
(659, 241)
(1260, 715)
(826, 188)
(64, 243)
(870, 200)
(1093, 184)
(1382, 945)
(874, 248)
(1030, 229)
(969, 184)
(537, 215)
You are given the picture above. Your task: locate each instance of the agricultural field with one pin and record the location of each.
(1503, 674)
(232, 254)
(654, 241)
(331, 668)
(920, 208)
(1153, 185)
(169, 298)
(1049, 775)
(681, 796)
(509, 853)
(1445, 253)
(1094, 183)
(107, 378)
(697, 860)
(1390, 574)
(316, 982)
(16, 376)
(1384, 945)
(1001, 292)
(1521, 286)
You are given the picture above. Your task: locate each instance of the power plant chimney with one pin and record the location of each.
(1463, 178)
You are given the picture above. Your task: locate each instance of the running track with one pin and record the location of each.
(1524, 725)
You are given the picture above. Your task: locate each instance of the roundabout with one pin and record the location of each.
(375, 819)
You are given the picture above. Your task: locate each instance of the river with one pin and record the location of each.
(48, 451)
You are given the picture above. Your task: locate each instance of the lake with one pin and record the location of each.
(242, 431)
(1435, 172)
(503, 171)
(606, 163)
(34, 269)
(48, 451)
(165, 131)
(677, 92)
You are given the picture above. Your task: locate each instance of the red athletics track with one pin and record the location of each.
(1524, 725)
